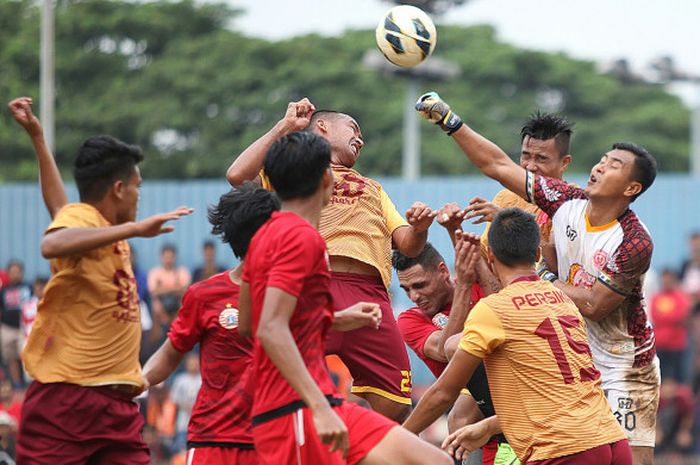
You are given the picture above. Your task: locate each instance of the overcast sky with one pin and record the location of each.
(600, 30)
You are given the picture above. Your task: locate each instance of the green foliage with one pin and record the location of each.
(175, 79)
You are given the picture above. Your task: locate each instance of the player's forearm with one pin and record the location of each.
(412, 242)
(248, 164)
(487, 279)
(458, 314)
(72, 241)
(432, 405)
(279, 345)
(490, 159)
(162, 364)
(586, 300)
(52, 188)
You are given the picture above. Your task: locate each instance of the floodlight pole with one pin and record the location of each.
(46, 110)
(411, 133)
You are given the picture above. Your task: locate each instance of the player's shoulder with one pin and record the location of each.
(411, 315)
(633, 228)
(216, 284)
(81, 212)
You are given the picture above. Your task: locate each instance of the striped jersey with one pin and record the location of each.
(545, 389)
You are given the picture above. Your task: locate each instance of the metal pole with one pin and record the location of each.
(695, 131)
(47, 73)
(411, 133)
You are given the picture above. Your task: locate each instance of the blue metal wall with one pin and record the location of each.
(669, 210)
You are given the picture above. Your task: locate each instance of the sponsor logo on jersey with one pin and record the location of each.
(549, 193)
(579, 277)
(571, 233)
(228, 318)
(600, 257)
(440, 320)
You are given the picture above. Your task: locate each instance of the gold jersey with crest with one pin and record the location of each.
(545, 389)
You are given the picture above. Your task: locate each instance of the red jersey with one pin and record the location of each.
(415, 327)
(289, 254)
(209, 316)
(670, 311)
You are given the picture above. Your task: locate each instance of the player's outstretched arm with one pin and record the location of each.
(245, 322)
(469, 438)
(52, 189)
(443, 393)
(410, 240)
(467, 255)
(277, 340)
(357, 316)
(162, 364)
(247, 166)
(65, 242)
(483, 153)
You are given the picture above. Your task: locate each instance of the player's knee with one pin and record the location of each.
(390, 409)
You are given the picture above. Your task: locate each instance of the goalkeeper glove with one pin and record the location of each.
(432, 108)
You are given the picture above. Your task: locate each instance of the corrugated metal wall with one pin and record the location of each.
(669, 210)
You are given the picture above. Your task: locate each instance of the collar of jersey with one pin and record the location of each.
(531, 277)
(591, 228)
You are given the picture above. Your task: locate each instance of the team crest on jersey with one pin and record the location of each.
(228, 318)
(599, 258)
(579, 277)
(549, 193)
(440, 320)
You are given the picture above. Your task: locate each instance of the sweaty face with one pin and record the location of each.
(345, 137)
(429, 290)
(612, 175)
(542, 157)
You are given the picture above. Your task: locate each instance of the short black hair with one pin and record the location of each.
(429, 259)
(645, 166)
(100, 162)
(42, 280)
(327, 114)
(240, 213)
(295, 164)
(208, 244)
(168, 247)
(545, 126)
(514, 237)
(15, 262)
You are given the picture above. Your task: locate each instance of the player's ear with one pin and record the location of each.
(632, 189)
(322, 125)
(444, 270)
(118, 188)
(565, 162)
(538, 255)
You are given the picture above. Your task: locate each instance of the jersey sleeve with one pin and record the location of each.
(186, 330)
(73, 216)
(392, 217)
(623, 271)
(415, 330)
(483, 331)
(296, 258)
(549, 193)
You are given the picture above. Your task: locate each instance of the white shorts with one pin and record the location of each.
(633, 395)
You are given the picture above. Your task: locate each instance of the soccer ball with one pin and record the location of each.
(406, 36)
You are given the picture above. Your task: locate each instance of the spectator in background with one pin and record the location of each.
(184, 393)
(147, 345)
(4, 278)
(166, 284)
(12, 296)
(160, 420)
(670, 312)
(209, 267)
(674, 424)
(690, 271)
(30, 306)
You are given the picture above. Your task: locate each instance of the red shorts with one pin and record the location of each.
(616, 453)
(292, 439)
(70, 424)
(488, 452)
(221, 456)
(377, 358)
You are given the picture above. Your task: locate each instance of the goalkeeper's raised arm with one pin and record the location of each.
(486, 155)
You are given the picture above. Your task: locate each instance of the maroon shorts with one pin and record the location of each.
(616, 453)
(292, 438)
(221, 456)
(70, 424)
(377, 358)
(488, 452)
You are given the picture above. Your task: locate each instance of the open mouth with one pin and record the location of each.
(592, 179)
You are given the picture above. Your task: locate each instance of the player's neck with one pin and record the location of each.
(236, 274)
(106, 209)
(507, 274)
(308, 208)
(602, 212)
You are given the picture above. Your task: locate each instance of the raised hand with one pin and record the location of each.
(420, 216)
(481, 209)
(155, 225)
(450, 216)
(434, 109)
(298, 115)
(21, 110)
(467, 256)
(331, 429)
